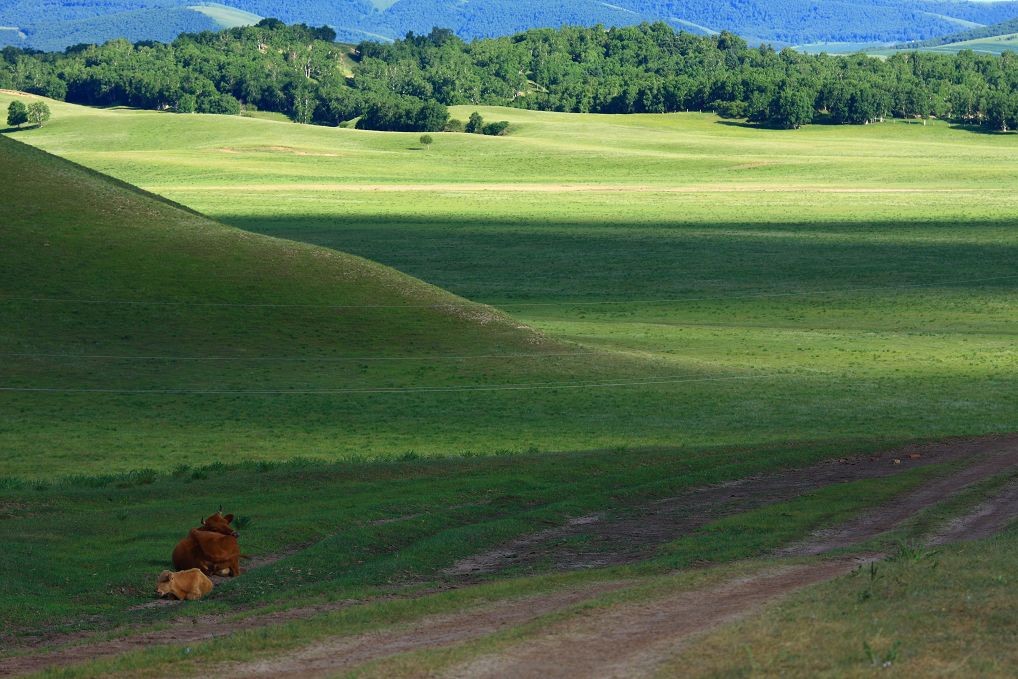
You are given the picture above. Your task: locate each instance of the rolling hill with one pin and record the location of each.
(52, 24)
(995, 39)
(112, 298)
(866, 294)
(721, 279)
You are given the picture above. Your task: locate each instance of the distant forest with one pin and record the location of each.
(55, 24)
(650, 68)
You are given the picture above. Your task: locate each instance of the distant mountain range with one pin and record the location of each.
(55, 24)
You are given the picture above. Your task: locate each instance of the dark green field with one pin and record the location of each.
(587, 318)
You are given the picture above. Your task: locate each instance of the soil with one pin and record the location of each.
(988, 519)
(888, 516)
(596, 541)
(335, 655)
(623, 640)
(631, 640)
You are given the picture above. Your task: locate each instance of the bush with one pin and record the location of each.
(455, 125)
(476, 123)
(223, 104)
(496, 129)
(731, 109)
(17, 114)
(39, 113)
(406, 114)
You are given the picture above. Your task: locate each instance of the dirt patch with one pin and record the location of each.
(185, 629)
(607, 541)
(987, 519)
(597, 541)
(631, 640)
(488, 562)
(335, 655)
(890, 515)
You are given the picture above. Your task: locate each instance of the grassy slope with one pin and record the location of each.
(73, 235)
(996, 44)
(862, 276)
(227, 17)
(944, 614)
(792, 238)
(366, 559)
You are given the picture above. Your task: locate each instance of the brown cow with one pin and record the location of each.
(189, 585)
(211, 548)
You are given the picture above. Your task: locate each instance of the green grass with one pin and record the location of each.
(947, 614)
(997, 44)
(364, 527)
(857, 282)
(454, 509)
(226, 17)
(691, 299)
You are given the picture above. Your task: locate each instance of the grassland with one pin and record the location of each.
(586, 316)
(226, 17)
(825, 284)
(881, 621)
(997, 44)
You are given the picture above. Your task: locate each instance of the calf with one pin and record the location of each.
(189, 585)
(211, 548)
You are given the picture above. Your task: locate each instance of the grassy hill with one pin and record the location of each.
(974, 33)
(994, 39)
(754, 273)
(109, 293)
(226, 17)
(696, 300)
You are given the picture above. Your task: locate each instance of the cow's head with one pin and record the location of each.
(164, 584)
(219, 523)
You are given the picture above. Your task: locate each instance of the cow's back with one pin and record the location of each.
(187, 555)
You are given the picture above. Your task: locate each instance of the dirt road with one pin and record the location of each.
(624, 640)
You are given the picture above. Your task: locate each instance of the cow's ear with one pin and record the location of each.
(229, 518)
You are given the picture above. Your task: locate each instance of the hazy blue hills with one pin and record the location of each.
(1004, 28)
(53, 24)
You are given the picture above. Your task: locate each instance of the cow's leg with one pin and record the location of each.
(235, 566)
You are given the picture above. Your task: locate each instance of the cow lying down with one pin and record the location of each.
(189, 585)
(212, 548)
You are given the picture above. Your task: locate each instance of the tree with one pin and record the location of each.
(1001, 111)
(17, 114)
(455, 125)
(39, 113)
(793, 108)
(431, 117)
(427, 140)
(496, 129)
(188, 103)
(476, 123)
(304, 104)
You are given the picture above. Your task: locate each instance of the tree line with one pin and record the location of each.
(407, 85)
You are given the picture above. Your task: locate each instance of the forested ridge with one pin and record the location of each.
(54, 24)
(406, 85)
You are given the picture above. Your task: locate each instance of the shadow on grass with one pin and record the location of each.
(979, 129)
(497, 259)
